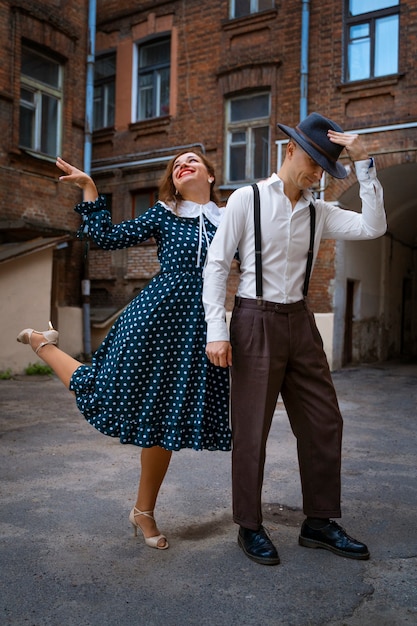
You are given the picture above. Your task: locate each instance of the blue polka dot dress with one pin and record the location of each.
(150, 382)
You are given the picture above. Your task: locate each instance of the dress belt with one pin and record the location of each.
(198, 271)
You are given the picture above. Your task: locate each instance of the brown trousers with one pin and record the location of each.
(277, 348)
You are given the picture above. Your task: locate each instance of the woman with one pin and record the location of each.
(150, 382)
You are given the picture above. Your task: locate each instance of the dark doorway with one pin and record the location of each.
(406, 318)
(348, 337)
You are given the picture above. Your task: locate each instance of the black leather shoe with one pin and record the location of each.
(257, 545)
(334, 538)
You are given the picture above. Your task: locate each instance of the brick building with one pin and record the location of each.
(42, 75)
(218, 77)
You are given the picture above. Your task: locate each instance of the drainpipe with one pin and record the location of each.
(305, 24)
(88, 133)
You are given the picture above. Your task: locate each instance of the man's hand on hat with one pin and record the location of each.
(352, 144)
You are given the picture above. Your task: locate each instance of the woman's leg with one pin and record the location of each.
(154, 466)
(62, 363)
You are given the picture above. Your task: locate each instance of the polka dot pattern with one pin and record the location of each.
(150, 382)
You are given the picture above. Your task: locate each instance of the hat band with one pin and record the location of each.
(317, 147)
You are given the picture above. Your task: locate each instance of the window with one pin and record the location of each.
(142, 201)
(104, 91)
(248, 138)
(240, 8)
(153, 79)
(40, 103)
(372, 34)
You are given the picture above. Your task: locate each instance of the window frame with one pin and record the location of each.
(39, 89)
(371, 18)
(103, 84)
(156, 70)
(246, 125)
(150, 192)
(253, 8)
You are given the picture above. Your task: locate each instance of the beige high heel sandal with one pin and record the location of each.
(152, 542)
(50, 335)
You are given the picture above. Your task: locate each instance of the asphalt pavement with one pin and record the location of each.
(69, 556)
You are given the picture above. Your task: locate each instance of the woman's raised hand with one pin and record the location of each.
(79, 178)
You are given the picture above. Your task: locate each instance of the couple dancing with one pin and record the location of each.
(160, 379)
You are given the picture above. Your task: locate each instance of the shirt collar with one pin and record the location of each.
(275, 180)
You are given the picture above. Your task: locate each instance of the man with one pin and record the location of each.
(275, 345)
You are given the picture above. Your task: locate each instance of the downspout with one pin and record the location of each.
(305, 26)
(88, 133)
(89, 92)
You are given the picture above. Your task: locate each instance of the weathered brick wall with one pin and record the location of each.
(142, 262)
(320, 291)
(213, 58)
(32, 202)
(217, 57)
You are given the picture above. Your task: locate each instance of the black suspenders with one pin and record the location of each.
(310, 249)
(258, 252)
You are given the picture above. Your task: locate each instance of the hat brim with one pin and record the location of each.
(334, 168)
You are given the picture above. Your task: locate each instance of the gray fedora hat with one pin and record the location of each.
(311, 135)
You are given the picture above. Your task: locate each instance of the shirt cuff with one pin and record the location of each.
(217, 331)
(91, 206)
(365, 169)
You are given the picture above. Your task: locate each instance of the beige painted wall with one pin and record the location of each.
(25, 302)
(25, 287)
(70, 326)
(324, 323)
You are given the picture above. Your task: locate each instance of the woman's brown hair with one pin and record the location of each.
(167, 191)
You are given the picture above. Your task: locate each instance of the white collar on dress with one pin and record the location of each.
(192, 209)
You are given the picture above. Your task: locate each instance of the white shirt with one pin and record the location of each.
(285, 241)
